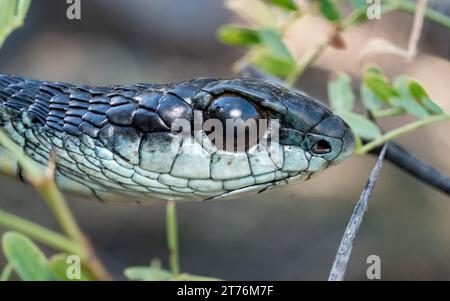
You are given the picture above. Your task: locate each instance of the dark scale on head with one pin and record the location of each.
(172, 107)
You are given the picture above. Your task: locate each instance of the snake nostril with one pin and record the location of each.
(321, 147)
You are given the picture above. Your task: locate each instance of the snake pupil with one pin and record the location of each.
(321, 147)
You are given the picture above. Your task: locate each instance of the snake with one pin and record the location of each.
(124, 143)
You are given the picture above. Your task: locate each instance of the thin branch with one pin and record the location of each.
(430, 14)
(307, 60)
(416, 167)
(400, 131)
(172, 238)
(345, 248)
(416, 31)
(43, 181)
(390, 112)
(395, 154)
(39, 233)
(382, 46)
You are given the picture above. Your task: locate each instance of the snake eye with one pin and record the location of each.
(232, 107)
(321, 147)
(239, 123)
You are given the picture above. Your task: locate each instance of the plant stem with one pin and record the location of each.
(306, 61)
(400, 131)
(172, 237)
(344, 251)
(388, 112)
(7, 271)
(416, 31)
(430, 14)
(60, 210)
(43, 181)
(39, 233)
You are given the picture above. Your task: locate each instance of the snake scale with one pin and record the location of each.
(118, 142)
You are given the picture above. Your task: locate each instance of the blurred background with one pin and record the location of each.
(289, 234)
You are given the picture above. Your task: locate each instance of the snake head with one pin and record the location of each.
(311, 137)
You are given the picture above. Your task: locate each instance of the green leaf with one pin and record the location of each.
(410, 106)
(379, 85)
(238, 36)
(147, 274)
(431, 106)
(273, 42)
(12, 15)
(3, 12)
(273, 56)
(374, 69)
(285, 4)
(357, 17)
(27, 259)
(60, 266)
(273, 64)
(421, 95)
(405, 100)
(369, 99)
(340, 93)
(22, 8)
(329, 10)
(360, 125)
(11, 11)
(416, 89)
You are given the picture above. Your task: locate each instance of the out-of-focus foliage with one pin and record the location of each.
(12, 16)
(60, 266)
(268, 49)
(154, 272)
(285, 4)
(379, 96)
(238, 36)
(26, 258)
(329, 10)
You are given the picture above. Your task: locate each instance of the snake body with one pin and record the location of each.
(117, 142)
